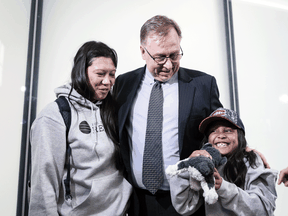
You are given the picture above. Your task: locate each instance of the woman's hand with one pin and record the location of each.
(266, 164)
(218, 179)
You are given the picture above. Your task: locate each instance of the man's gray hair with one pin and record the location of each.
(159, 25)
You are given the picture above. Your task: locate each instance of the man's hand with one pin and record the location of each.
(266, 164)
(200, 152)
(283, 177)
(218, 179)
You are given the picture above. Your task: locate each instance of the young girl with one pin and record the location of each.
(243, 185)
(97, 184)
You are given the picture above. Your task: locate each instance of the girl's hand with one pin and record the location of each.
(218, 179)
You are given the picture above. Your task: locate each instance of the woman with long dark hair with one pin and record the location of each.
(243, 185)
(97, 186)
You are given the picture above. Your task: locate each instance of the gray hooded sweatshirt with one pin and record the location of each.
(257, 199)
(97, 187)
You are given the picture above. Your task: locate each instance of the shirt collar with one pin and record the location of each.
(149, 77)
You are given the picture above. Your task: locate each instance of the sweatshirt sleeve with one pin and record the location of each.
(257, 198)
(186, 193)
(48, 146)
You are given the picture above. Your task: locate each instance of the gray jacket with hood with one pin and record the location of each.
(257, 199)
(97, 187)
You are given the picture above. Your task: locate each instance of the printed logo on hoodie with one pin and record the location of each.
(86, 129)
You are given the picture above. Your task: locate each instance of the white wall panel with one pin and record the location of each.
(261, 32)
(14, 29)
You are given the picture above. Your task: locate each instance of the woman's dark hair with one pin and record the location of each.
(80, 82)
(235, 169)
(83, 59)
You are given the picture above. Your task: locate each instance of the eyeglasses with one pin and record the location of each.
(161, 60)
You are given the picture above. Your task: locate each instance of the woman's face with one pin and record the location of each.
(223, 136)
(101, 76)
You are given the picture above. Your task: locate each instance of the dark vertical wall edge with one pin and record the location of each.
(30, 99)
(231, 59)
(22, 167)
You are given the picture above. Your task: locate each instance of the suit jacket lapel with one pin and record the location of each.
(131, 86)
(186, 98)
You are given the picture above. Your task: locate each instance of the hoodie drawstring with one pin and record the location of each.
(94, 127)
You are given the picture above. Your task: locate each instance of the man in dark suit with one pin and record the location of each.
(188, 97)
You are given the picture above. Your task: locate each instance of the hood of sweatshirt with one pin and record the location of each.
(75, 96)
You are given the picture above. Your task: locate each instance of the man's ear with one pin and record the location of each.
(142, 52)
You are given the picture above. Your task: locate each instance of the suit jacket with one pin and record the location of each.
(198, 97)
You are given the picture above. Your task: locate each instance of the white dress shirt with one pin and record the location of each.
(136, 126)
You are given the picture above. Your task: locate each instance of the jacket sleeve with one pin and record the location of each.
(186, 194)
(48, 146)
(215, 102)
(259, 194)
